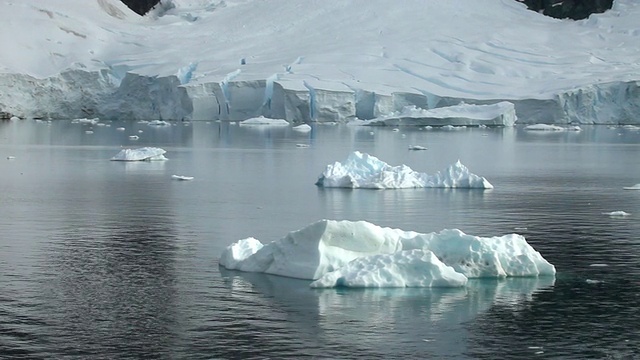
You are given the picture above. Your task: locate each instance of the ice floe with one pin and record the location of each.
(361, 170)
(634, 187)
(547, 127)
(362, 254)
(618, 213)
(182, 177)
(263, 121)
(140, 154)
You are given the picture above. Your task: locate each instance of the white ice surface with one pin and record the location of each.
(361, 170)
(617, 213)
(634, 187)
(321, 60)
(140, 154)
(302, 128)
(548, 127)
(361, 254)
(263, 121)
(498, 114)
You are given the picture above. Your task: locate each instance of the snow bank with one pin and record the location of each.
(499, 114)
(361, 254)
(361, 170)
(140, 154)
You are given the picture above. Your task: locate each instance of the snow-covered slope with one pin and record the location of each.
(315, 60)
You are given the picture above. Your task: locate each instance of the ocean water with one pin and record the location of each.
(102, 259)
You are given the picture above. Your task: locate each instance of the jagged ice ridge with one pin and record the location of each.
(362, 254)
(361, 170)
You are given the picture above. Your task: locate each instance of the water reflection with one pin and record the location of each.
(380, 321)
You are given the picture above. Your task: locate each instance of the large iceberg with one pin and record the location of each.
(361, 254)
(140, 154)
(362, 170)
(498, 114)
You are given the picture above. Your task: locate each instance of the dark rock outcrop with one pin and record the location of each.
(140, 6)
(571, 9)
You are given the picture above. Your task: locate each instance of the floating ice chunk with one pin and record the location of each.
(120, 129)
(134, 137)
(14, 118)
(302, 145)
(362, 170)
(85, 121)
(546, 127)
(88, 132)
(328, 246)
(261, 120)
(140, 154)
(631, 127)
(634, 187)
(158, 123)
(10, 157)
(417, 147)
(618, 213)
(182, 177)
(412, 268)
(302, 128)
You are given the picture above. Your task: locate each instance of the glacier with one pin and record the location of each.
(329, 62)
(362, 170)
(361, 254)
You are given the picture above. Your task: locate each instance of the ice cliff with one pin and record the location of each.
(324, 62)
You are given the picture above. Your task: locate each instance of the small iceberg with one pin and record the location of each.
(618, 213)
(302, 128)
(182, 178)
(634, 187)
(92, 121)
(134, 137)
(263, 121)
(158, 123)
(417, 147)
(362, 170)
(546, 127)
(360, 254)
(140, 154)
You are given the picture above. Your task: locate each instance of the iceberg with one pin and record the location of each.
(634, 187)
(140, 154)
(263, 121)
(361, 254)
(362, 170)
(617, 213)
(499, 114)
(302, 128)
(548, 127)
(182, 177)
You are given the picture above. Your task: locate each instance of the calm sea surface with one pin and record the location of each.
(102, 259)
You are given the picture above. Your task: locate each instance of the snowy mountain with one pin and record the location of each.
(315, 60)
